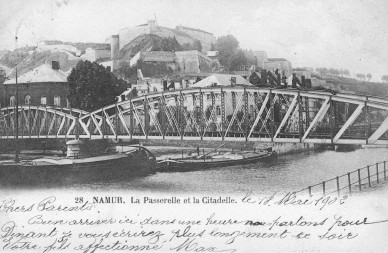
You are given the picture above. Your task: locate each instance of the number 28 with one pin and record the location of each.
(79, 200)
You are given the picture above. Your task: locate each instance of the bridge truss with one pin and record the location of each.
(39, 122)
(223, 114)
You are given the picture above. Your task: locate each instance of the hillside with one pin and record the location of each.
(148, 42)
(352, 85)
(80, 45)
(13, 58)
(3, 52)
(66, 61)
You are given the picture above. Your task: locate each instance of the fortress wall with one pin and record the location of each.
(206, 38)
(188, 61)
(128, 34)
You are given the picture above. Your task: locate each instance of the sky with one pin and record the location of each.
(349, 34)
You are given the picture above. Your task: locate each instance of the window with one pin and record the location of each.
(218, 110)
(12, 101)
(27, 100)
(43, 100)
(57, 100)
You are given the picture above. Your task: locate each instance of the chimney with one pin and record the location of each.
(114, 46)
(55, 65)
(233, 81)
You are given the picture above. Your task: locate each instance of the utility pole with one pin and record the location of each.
(17, 110)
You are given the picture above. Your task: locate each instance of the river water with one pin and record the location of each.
(286, 173)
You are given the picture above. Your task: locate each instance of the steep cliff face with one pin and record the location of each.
(148, 42)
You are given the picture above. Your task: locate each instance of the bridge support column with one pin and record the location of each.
(131, 123)
(116, 120)
(234, 108)
(246, 114)
(146, 117)
(272, 113)
(300, 118)
(307, 112)
(223, 117)
(180, 115)
(367, 122)
(201, 113)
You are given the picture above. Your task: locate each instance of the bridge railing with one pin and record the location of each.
(350, 182)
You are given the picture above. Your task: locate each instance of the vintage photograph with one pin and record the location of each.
(193, 126)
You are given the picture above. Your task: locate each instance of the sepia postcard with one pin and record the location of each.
(193, 126)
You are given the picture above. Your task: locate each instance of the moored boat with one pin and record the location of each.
(222, 159)
(138, 161)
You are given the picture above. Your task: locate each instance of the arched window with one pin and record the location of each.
(27, 100)
(12, 100)
(43, 100)
(57, 100)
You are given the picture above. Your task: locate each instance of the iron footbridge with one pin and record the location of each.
(214, 114)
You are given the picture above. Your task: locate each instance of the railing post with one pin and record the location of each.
(338, 187)
(368, 176)
(324, 188)
(310, 191)
(385, 173)
(377, 172)
(359, 179)
(350, 186)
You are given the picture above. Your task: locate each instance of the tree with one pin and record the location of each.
(92, 86)
(227, 47)
(197, 45)
(153, 69)
(212, 47)
(360, 76)
(126, 72)
(384, 78)
(167, 44)
(369, 76)
(237, 60)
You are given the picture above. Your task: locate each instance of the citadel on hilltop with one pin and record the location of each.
(181, 33)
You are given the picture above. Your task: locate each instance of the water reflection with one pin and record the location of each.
(287, 173)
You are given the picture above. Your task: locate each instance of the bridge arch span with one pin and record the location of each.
(215, 113)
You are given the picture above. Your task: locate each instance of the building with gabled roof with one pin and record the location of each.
(43, 85)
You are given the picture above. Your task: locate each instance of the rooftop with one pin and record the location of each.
(41, 74)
